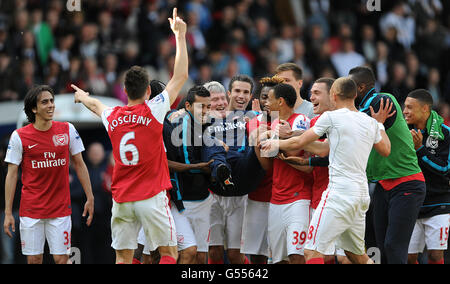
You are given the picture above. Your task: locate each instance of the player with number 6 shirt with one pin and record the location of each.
(141, 174)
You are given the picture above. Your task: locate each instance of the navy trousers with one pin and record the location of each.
(395, 213)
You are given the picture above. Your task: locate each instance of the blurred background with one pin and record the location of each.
(407, 43)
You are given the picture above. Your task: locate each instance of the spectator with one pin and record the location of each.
(94, 78)
(433, 86)
(89, 44)
(401, 20)
(61, 54)
(43, 36)
(347, 58)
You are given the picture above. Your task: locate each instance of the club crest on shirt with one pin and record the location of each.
(432, 143)
(60, 139)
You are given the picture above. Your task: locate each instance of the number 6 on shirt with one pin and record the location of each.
(125, 148)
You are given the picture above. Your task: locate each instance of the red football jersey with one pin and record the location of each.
(320, 178)
(264, 191)
(44, 157)
(290, 184)
(141, 170)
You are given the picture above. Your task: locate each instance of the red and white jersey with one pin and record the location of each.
(264, 191)
(289, 184)
(141, 170)
(44, 157)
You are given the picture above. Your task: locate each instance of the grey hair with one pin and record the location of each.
(215, 87)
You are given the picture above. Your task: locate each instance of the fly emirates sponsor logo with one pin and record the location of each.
(127, 119)
(49, 161)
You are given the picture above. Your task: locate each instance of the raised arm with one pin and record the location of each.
(92, 104)
(180, 73)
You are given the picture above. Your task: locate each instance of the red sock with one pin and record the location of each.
(441, 261)
(316, 260)
(136, 261)
(210, 261)
(246, 261)
(167, 260)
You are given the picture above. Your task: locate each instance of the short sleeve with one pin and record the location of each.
(76, 144)
(159, 106)
(378, 136)
(322, 124)
(15, 150)
(107, 112)
(301, 122)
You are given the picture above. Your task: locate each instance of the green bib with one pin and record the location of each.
(403, 159)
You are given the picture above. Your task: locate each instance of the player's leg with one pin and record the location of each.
(254, 232)
(32, 238)
(58, 234)
(297, 217)
(417, 242)
(187, 245)
(198, 214)
(436, 237)
(217, 228)
(352, 239)
(234, 217)
(277, 234)
(406, 200)
(159, 227)
(124, 231)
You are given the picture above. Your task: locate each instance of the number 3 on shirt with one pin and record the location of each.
(126, 147)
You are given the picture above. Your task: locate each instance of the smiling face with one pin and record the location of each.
(219, 104)
(240, 95)
(45, 107)
(415, 112)
(273, 103)
(200, 108)
(264, 98)
(320, 98)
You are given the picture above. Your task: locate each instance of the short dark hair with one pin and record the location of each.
(363, 75)
(196, 91)
(346, 88)
(241, 78)
(31, 98)
(328, 81)
(157, 87)
(423, 96)
(298, 72)
(136, 82)
(287, 92)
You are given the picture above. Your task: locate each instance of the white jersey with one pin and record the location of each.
(351, 136)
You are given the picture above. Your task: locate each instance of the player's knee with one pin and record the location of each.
(61, 259)
(34, 259)
(188, 255)
(235, 256)
(435, 255)
(215, 253)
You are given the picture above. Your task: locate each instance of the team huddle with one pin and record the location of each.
(277, 177)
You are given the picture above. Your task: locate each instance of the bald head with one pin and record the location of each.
(344, 88)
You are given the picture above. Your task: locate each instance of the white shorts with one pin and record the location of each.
(432, 232)
(339, 221)
(337, 251)
(193, 224)
(254, 230)
(34, 232)
(152, 214)
(287, 228)
(227, 215)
